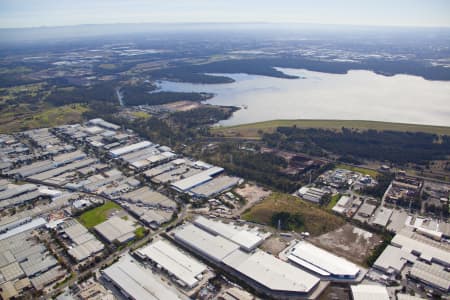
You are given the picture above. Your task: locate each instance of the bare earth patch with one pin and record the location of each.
(348, 241)
(183, 105)
(252, 194)
(274, 245)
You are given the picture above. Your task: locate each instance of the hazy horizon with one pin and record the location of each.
(51, 13)
(342, 25)
(277, 31)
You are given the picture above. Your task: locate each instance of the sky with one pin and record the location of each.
(37, 13)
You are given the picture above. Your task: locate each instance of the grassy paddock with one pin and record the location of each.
(23, 118)
(363, 171)
(253, 130)
(108, 66)
(141, 114)
(316, 221)
(97, 215)
(59, 115)
(334, 199)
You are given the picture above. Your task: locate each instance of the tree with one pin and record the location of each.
(287, 221)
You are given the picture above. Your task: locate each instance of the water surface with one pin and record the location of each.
(358, 95)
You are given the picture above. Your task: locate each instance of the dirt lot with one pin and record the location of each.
(336, 292)
(350, 242)
(183, 105)
(275, 245)
(252, 194)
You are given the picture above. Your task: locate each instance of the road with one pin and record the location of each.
(109, 260)
(136, 244)
(409, 172)
(119, 96)
(139, 243)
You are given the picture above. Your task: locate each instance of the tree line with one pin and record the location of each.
(140, 95)
(204, 115)
(394, 146)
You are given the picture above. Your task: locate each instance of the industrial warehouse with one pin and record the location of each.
(234, 251)
(136, 282)
(369, 291)
(25, 262)
(323, 263)
(424, 260)
(83, 243)
(187, 270)
(95, 197)
(116, 229)
(247, 239)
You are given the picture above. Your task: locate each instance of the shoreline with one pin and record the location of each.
(252, 129)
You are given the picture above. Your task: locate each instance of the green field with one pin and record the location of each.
(98, 215)
(141, 115)
(316, 220)
(140, 232)
(363, 171)
(15, 70)
(254, 130)
(108, 66)
(334, 199)
(23, 117)
(56, 116)
(15, 93)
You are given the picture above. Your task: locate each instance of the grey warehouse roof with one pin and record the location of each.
(173, 260)
(213, 246)
(433, 274)
(393, 258)
(427, 251)
(116, 229)
(382, 216)
(138, 282)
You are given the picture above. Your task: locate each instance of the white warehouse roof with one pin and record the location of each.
(105, 124)
(197, 179)
(174, 261)
(245, 238)
(321, 261)
(130, 148)
(271, 272)
(264, 269)
(215, 186)
(369, 292)
(343, 203)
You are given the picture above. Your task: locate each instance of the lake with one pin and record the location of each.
(357, 95)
